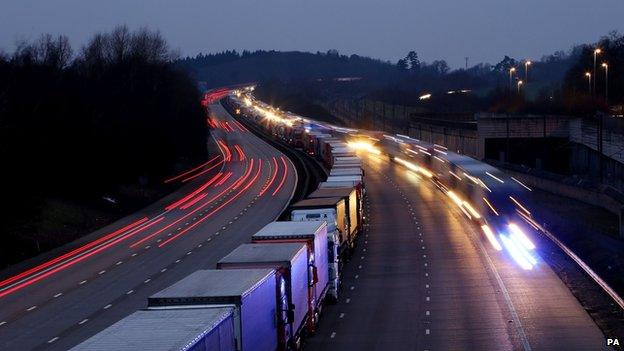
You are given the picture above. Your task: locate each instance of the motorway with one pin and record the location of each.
(108, 274)
(424, 278)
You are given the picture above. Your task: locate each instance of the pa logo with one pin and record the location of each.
(613, 342)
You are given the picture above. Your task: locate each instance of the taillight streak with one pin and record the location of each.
(135, 244)
(192, 170)
(253, 180)
(241, 153)
(191, 195)
(73, 252)
(82, 256)
(279, 187)
(275, 170)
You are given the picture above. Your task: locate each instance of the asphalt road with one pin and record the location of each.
(424, 278)
(63, 303)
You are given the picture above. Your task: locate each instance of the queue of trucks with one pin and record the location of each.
(268, 294)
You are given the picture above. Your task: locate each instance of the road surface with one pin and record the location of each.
(423, 278)
(110, 273)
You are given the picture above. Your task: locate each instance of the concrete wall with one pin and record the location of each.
(593, 197)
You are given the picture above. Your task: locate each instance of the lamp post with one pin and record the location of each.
(606, 68)
(526, 70)
(588, 75)
(520, 85)
(596, 53)
(512, 70)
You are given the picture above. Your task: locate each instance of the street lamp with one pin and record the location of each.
(588, 75)
(606, 68)
(511, 72)
(520, 85)
(526, 70)
(596, 53)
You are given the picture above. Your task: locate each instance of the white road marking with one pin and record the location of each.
(147, 280)
(31, 308)
(427, 313)
(147, 247)
(428, 298)
(83, 321)
(177, 261)
(200, 245)
(188, 253)
(348, 300)
(341, 315)
(102, 272)
(2, 323)
(159, 240)
(82, 282)
(352, 287)
(118, 263)
(427, 286)
(53, 339)
(426, 274)
(57, 295)
(163, 270)
(333, 335)
(134, 254)
(357, 276)
(108, 306)
(129, 292)
(427, 331)
(360, 267)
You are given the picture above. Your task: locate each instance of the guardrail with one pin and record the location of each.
(590, 272)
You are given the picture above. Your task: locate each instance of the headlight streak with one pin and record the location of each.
(490, 206)
(515, 252)
(455, 175)
(414, 167)
(517, 232)
(495, 177)
(491, 237)
(519, 182)
(519, 205)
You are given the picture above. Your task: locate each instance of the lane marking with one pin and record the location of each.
(3, 323)
(58, 294)
(147, 280)
(427, 331)
(53, 339)
(102, 272)
(427, 313)
(83, 321)
(333, 335)
(31, 308)
(118, 263)
(129, 292)
(108, 306)
(82, 282)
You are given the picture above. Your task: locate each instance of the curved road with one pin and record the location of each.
(109, 274)
(424, 278)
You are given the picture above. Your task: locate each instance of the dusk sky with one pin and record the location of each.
(483, 30)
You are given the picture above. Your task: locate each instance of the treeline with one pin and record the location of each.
(83, 126)
(230, 67)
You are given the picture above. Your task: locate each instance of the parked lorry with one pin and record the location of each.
(354, 179)
(357, 171)
(314, 235)
(253, 294)
(206, 329)
(290, 261)
(353, 209)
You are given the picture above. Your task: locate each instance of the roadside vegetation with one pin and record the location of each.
(87, 135)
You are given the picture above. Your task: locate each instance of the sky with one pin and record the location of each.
(482, 30)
